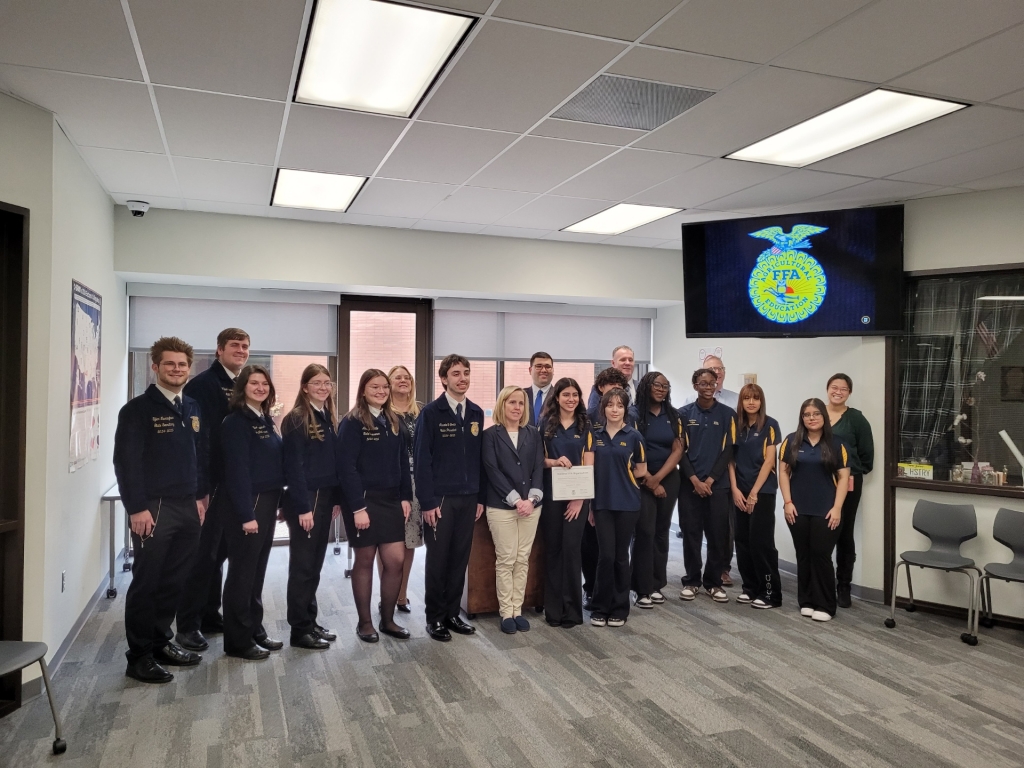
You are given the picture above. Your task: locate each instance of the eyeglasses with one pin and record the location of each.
(813, 415)
(839, 390)
(540, 367)
(661, 387)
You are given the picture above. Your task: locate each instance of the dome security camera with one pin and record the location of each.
(138, 208)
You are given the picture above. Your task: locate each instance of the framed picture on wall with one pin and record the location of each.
(86, 318)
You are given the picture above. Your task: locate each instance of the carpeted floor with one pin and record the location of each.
(686, 684)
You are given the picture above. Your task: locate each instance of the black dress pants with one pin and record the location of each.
(201, 597)
(563, 592)
(306, 552)
(705, 517)
(756, 555)
(815, 574)
(846, 548)
(448, 547)
(247, 567)
(650, 542)
(588, 557)
(614, 534)
(162, 562)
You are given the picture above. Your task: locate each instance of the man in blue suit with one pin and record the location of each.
(542, 371)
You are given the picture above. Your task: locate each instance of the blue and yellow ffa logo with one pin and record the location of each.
(786, 284)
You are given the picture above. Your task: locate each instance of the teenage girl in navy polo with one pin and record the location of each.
(619, 462)
(814, 476)
(754, 482)
(254, 477)
(311, 471)
(567, 443)
(376, 496)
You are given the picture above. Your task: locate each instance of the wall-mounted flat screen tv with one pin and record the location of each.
(827, 273)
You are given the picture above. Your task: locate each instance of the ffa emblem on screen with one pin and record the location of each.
(787, 285)
(195, 423)
(474, 428)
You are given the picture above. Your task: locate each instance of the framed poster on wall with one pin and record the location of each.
(86, 317)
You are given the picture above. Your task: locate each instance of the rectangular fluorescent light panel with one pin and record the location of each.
(1001, 298)
(319, 191)
(868, 118)
(620, 218)
(376, 56)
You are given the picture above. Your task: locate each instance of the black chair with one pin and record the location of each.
(1008, 530)
(15, 656)
(948, 526)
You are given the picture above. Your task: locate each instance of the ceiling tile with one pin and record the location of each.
(628, 172)
(121, 171)
(155, 201)
(608, 18)
(667, 228)
(760, 104)
(680, 68)
(795, 187)
(478, 206)
(876, 191)
(1013, 178)
(448, 226)
(537, 164)
(404, 199)
(304, 214)
(95, 112)
(472, 6)
(88, 36)
(981, 72)
(629, 239)
(395, 222)
(892, 37)
(443, 153)
(233, 46)
(552, 212)
(574, 237)
(1014, 100)
(220, 127)
(225, 182)
(993, 159)
(511, 76)
(708, 182)
(947, 136)
(750, 30)
(499, 231)
(595, 134)
(236, 209)
(943, 192)
(337, 141)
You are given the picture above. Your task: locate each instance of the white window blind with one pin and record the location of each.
(513, 335)
(281, 328)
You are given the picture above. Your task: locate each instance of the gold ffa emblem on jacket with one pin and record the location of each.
(474, 428)
(195, 423)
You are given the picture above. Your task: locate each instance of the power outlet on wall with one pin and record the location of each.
(63, 580)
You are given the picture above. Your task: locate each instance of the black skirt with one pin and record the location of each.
(387, 521)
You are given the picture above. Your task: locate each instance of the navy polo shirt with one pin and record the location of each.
(596, 419)
(571, 443)
(662, 432)
(750, 452)
(253, 459)
(706, 436)
(615, 487)
(812, 486)
(310, 462)
(371, 459)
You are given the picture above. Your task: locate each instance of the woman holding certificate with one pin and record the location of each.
(513, 457)
(619, 462)
(567, 443)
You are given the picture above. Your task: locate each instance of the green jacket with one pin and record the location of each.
(855, 431)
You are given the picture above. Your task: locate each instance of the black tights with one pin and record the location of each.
(392, 556)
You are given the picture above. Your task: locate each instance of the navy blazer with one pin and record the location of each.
(512, 468)
(212, 390)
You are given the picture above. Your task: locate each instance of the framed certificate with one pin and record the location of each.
(569, 483)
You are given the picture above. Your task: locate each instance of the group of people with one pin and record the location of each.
(204, 474)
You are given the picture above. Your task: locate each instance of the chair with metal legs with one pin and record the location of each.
(948, 526)
(15, 656)
(1008, 530)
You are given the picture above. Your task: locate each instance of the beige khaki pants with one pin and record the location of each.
(513, 540)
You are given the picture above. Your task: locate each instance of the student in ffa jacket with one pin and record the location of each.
(658, 423)
(311, 474)
(709, 431)
(754, 481)
(814, 476)
(542, 371)
(254, 481)
(376, 491)
(568, 442)
(447, 464)
(513, 460)
(619, 461)
(159, 461)
(199, 610)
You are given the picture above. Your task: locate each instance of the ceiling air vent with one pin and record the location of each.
(628, 103)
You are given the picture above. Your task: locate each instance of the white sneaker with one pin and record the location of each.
(718, 594)
(808, 612)
(643, 601)
(657, 598)
(759, 603)
(597, 621)
(620, 622)
(687, 593)
(821, 616)
(744, 598)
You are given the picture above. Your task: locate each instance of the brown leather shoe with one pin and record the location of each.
(726, 579)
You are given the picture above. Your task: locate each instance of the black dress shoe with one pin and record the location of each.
(439, 631)
(370, 637)
(252, 653)
(311, 642)
(193, 641)
(588, 602)
(456, 624)
(323, 633)
(843, 596)
(146, 670)
(213, 625)
(269, 644)
(176, 657)
(399, 634)
(404, 607)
